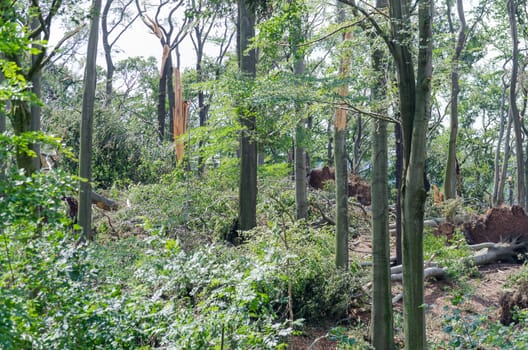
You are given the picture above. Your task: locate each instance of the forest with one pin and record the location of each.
(278, 174)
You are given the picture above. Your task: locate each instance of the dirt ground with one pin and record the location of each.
(438, 296)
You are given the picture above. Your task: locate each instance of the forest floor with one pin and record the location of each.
(485, 289)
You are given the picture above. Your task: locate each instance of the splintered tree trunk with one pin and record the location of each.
(247, 213)
(513, 103)
(382, 332)
(340, 160)
(451, 174)
(85, 156)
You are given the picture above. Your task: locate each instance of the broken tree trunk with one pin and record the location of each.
(103, 202)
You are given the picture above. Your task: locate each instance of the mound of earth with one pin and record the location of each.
(357, 187)
(498, 225)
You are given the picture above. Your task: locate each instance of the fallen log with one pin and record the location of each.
(103, 202)
(488, 253)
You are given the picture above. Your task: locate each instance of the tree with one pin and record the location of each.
(205, 15)
(111, 31)
(170, 38)
(247, 63)
(26, 112)
(514, 111)
(85, 155)
(382, 331)
(414, 105)
(450, 184)
(340, 158)
(301, 201)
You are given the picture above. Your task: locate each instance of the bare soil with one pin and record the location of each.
(484, 300)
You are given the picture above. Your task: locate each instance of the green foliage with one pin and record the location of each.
(480, 332)
(452, 254)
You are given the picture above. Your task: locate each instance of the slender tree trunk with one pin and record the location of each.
(85, 156)
(356, 162)
(162, 95)
(170, 93)
(35, 107)
(301, 202)
(381, 322)
(110, 68)
(496, 165)
(399, 174)
(519, 150)
(330, 145)
(450, 185)
(340, 160)
(247, 213)
(414, 192)
(506, 161)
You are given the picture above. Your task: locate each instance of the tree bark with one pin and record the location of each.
(414, 192)
(498, 175)
(450, 185)
(110, 68)
(382, 331)
(519, 151)
(301, 201)
(85, 154)
(399, 174)
(247, 213)
(340, 159)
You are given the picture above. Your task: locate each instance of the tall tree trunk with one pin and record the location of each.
(513, 103)
(414, 192)
(162, 95)
(450, 185)
(247, 212)
(340, 159)
(170, 93)
(496, 165)
(381, 321)
(301, 202)
(506, 161)
(85, 156)
(398, 168)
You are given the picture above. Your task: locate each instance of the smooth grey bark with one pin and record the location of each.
(450, 182)
(414, 98)
(519, 150)
(340, 160)
(381, 320)
(414, 192)
(301, 201)
(86, 132)
(247, 61)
